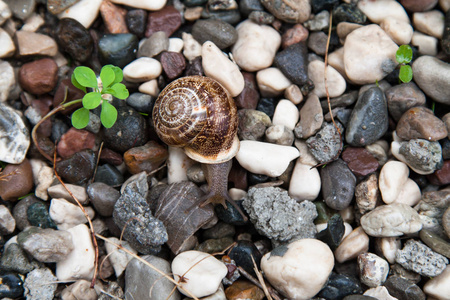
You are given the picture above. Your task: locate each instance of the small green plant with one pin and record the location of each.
(110, 76)
(404, 56)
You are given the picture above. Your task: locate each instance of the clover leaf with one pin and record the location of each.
(404, 56)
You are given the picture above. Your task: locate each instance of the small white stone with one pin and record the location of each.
(301, 271)
(7, 46)
(335, 82)
(150, 87)
(175, 45)
(286, 114)
(85, 12)
(144, 4)
(389, 247)
(256, 46)
(7, 83)
(336, 60)
(306, 157)
(81, 289)
(272, 82)
(5, 12)
(67, 215)
(119, 258)
(369, 54)
(427, 45)
(347, 231)
(7, 221)
(373, 270)
(347, 214)
(355, 243)
(177, 165)
(142, 69)
(79, 264)
(430, 22)
(33, 23)
(279, 134)
(380, 293)
(42, 176)
(202, 271)
(192, 48)
(439, 286)
(400, 32)
(410, 193)
(393, 176)
(217, 66)
(305, 182)
(59, 191)
(265, 158)
(378, 10)
(237, 194)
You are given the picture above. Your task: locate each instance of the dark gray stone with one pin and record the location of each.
(141, 102)
(261, 17)
(222, 34)
(20, 211)
(346, 12)
(339, 286)
(402, 97)
(79, 168)
(11, 286)
(136, 21)
(242, 254)
(344, 100)
(332, 235)
(118, 49)
(319, 5)
(403, 289)
(231, 16)
(338, 184)
(14, 259)
(445, 42)
(103, 197)
(247, 6)
(109, 175)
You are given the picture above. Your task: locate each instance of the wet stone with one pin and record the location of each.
(421, 123)
(326, 144)
(78, 168)
(38, 215)
(348, 13)
(103, 197)
(359, 161)
(141, 102)
(338, 184)
(293, 63)
(11, 286)
(403, 289)
(432, 75)
(168, 19)
(402, 97)
(339, 286)
(118, 49)
(242, 253)
(74, 39)
(14, 259)
(222, 34)
(109, 175)
(136, 21)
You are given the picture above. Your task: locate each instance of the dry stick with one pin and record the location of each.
(271, 290)
(91, 227)
(98, 160)
(261, 279)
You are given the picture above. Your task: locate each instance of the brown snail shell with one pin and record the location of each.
(198, 114)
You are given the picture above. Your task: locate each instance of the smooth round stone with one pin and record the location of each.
(294, 35)
(118, 49)
(418, 5)
(256, 46)
(286, 114)
(38, 215)
(373, 270)
(272, 82)
(399, 31)
(402, 288)
(430, 23)
(173, 64)
(293, 63)
(243, 290)
(317, 42)
(391, 220)
(154, 45)
(421, 123)
(205, 272)
(39, 77)
(340, 285)
(143, 4)
(77, 169)
(33, 284)
(67, 215)
(376, 11)
(141, 102)
(393, 177)
(335, 82)
(352, 245)
(369, 119)
(84, 11)
(439, 286)
(338, 184)
(426, 45)
(402, 97)
(220, 68)
(150, 87)
(254, 157)
(21, 9)
(289, 11)
(109, 174)
(369, 54)
(433, 77)
(142, 69)
(326, 138)
(103, 197)
(136, 21)
(359, 161)
(11, 286)
(145, 158)
(7, 81)
(445, 42)
(300, 269)
(279, 134)
(17, 181)
(222, 34)
(247, 6)
(410, 193)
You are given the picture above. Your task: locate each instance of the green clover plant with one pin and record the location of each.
(404, 56)
(110, 76)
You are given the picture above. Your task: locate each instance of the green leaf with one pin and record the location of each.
(108, 116)
(120, 91)
(107, 76)
(80, 118)
(406, 73)
(85, 77)
(77, 84)
(404, 54)
(119, 74)
(92, 100)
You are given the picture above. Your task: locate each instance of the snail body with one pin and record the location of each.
(198, 114)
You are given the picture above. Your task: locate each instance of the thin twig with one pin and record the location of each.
(261, 279)
(270, 289)
(98, 161)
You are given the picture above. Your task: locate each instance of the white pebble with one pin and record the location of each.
(393, 176)
(306, 157)
(42, 176)
(373, 270)
(32, 23)
(427, 45)
(85, 12)
(7, 83)
(355, 243)
(256, 46)
(150, 87)
(79, 264)
(430, 22)
(217, 66)
(142, 69)
(7, 221)
(389, 247)
(144, 4)
(439, 286)
(305, 182)
(237, 194)
(301, 271)
(59, 191)
(67, 215)
(286, 114)
(265, 158)
(119, 259)
(192, 48)
(5, 12)
(202, 271)
(177, 165)
(410, 193)
(335, 82)
(175, 45)
(7, 46)
(336, 60)
(380, 293)
(377, 10)
(271, 82)
(399, 31)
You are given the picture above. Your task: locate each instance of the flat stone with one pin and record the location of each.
(103, 197)
(433, 77)
(294, 35)
(167, 19)
(402, 97)
(16, 181)
(173, 64)
(113, 17)
(67, 215)
(402, 288)
(157, 43)
(289, 11)
(352, 245)
(142, 69)
(59, 191)
(15, 136)
(421, 123)
(31, 43)
(222, 34)
(359, 161)
(78, 168)
(435, 242)
(75, 140)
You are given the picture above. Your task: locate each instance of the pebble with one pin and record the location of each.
(167, 19)
(141, 279)
(7, 81)
(426, 45)
(393, 177)
(373, 270)
(367, 194)
(280, 135)
(446, 221)
(418, 6)
(294, 35)
(103, 197)
(145, 158)
(56, 6)
(67, 215)
(335, 82)
(256, 46)
(435, 242)
(244, 290)
(272, 82)
(417, 257)
(242, 255)
(311, 118)
(445, 42)
(141, 102)
(402, 288)
(192, 48)
(338, 184)
(136, 21)
(15, 136)
(298, 270)
(178, 165)
(326, 144)
(113, 18)
(369, 119)
(430, 23)
(286, 114)
(146, 4)
(173, 64)
(157, 43)
(317, 43)
(79, 290)
(441, 177)
(421, 156)
(17, 181)
(150, 87)
(391, 220)
(203, 272)
(253, 156)
(388, 247)
(399, 31)
(60, 191)
(43, 177)
(369, 46)
(39, 77)
(333, 233)
(142, 69)
(119, 258)
(340, 285)
(279, 217)
(109, 174)
(84, 11)
(79, 264)
(7, 222)
(380, 293)
(31, 43)
(77, 169)
(220, 33)
(11, 286)
(34, 287)
(46, 245)
(421, 123)
(118, 49)
(360, 161)
(75, 140)
(433, 77)
(347, 12)
(402, 97)
(287, 11)
(5, 12)
(14, 259)
(377, 11)
(220, 68)
(438, 286)
(252, 124)
(293, 63)
(38, 215)
(352, 245)
(8, 48)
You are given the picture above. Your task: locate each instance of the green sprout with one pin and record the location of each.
(404, 56)
(110, 76)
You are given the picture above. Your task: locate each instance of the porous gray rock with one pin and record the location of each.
(40, 284)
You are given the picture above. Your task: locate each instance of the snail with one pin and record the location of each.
(198, 114)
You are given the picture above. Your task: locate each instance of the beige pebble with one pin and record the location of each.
(60, 191)
(430, 22)
(7, 49)
(388, 247)
(294, 94)
(345, 28)
(175, 45)
(67, 215)
(373, 270)
(192, 48)
(305, 182)
(355, 243)
(150, 87)
(380, 293)
(426, 44)
(439, 286)
(144, 4)
(400, 32)
(84, 11)
(335, 82)
(410, 193)
(142, 69)
(377, 11)
(393, 176)
(286, 114)
(272, 82)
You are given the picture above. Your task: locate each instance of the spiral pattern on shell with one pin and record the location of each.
(197, 113)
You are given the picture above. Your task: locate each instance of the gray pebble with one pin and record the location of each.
(40, 284)
(317, 42)
(219, 230)
(326, 144)
(252, 124)
(338, 184)
(404, 289)
(344, 100)
(222, 34)
(15, 259)
(402, 97)
(141, 102)
(103, 197)
(261, 17)
(154, 45)
(422, 155)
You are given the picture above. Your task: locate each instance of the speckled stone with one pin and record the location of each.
(338, 184)
(421, 123)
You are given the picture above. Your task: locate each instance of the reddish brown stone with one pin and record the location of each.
(173, 64)
(75, 140)
(16, 181)
(241, 289)
(442, 176)
(167, 19)
(114, 17)
(145, 158)
(360, 161)
(43, 105)
(39, 77)
(111, 157)
(249, 96)
(292, 36)
(420, 123)
(418, 5)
